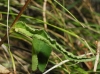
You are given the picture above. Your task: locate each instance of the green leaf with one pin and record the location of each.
(43, 51)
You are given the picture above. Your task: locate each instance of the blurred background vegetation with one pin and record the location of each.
(87, 27)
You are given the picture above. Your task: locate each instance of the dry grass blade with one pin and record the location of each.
(97, 56)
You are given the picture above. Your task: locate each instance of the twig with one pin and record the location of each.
(97, 56)
(18, 16)
(44, 14)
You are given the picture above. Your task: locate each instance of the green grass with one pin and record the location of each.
(71, 23)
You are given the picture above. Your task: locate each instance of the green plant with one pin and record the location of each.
(42, 44)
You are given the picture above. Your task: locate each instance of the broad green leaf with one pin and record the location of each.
(43, 51)
(40, 49)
